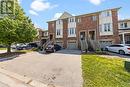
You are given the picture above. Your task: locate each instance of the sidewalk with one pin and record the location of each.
(10, 79)
(7, 81)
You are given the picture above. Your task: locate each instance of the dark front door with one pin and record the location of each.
(82, 35)
(51, 36)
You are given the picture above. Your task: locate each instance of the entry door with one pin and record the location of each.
(82, 35)
(51, 36)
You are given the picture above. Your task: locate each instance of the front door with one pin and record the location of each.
(51, 36)
(82, 35)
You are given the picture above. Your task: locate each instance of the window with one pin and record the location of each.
(79, 20)
(125, 25)
(107, 27)
(94, 18)
(58, 32)
(107, 13)
(58, 21)
(71, 20)
(71, 31)
(121, 25)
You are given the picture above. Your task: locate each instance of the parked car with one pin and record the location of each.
(53, 48)
(119, 48)
(33, 45)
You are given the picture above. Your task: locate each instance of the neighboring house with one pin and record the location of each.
(42, 36)
(124, 31)
(99, 28)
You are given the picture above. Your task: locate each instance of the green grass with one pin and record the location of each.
(103, 72)
(3, 48)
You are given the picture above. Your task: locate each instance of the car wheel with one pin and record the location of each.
(121, 52)
(106, 49)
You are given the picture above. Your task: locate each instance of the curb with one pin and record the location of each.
(7, 58)
(23, 79)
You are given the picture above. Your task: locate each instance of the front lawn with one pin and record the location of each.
(3, 48)
(103, 72)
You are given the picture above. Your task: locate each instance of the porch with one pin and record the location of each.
(125, 37)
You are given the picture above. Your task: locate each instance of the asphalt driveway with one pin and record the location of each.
(61, 69)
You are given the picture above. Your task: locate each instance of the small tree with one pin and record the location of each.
(16, 28)
(15, 31)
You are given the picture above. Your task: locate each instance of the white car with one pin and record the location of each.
(119, 48)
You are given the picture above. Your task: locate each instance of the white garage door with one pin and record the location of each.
(103, 44)
(72, 45)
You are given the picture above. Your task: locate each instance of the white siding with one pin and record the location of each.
(104, 19)
(128, 25)
(59, 25)
(72, 25)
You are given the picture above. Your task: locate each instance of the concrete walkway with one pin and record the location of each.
(62, 69)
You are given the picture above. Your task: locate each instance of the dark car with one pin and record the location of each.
(52, 48)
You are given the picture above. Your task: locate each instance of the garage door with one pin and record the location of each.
(103, 44)
(72, 45)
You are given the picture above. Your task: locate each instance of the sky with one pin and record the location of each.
(40, 11)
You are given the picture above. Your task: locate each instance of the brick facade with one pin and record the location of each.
(86, 25)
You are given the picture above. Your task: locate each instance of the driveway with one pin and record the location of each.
(62, 69)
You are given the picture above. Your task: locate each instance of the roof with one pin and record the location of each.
(67, 15)
(124, 20)
(63, 16)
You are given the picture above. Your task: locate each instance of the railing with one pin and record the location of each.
(84, 45)
(94, 44)
(47, 43)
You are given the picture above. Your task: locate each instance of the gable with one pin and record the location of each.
(65, 15)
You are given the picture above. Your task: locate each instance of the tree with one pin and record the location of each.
(16, 28)
(15, 31)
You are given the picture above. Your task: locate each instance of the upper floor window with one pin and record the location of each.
(71, 31)
(79, 20)
(123, 25)
(58, 21)
(106, 14)
(58, 32)
(71, 19)
(94, 18)
(107, 27)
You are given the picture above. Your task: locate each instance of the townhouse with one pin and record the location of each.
(93, 30)
(42, 36)
(124, 31)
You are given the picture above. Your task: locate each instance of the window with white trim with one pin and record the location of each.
(107, 27)
(71, 31)
(58, 32)
(79, 20)
(71, 19)
(123, 25)
(94, 18)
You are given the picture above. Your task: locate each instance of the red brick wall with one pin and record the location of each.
(87, 24)
(65, 32)
(52, 29)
